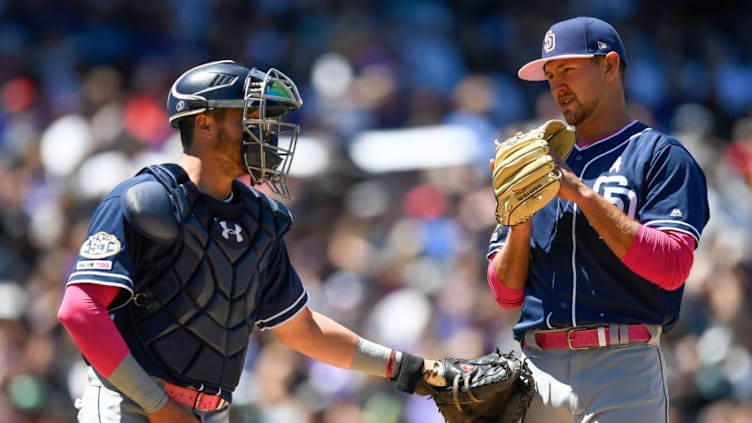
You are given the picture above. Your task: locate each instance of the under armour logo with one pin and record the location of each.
(226, 232)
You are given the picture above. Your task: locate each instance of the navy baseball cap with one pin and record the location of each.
(578, 37)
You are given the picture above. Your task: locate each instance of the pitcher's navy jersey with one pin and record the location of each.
(574, 278)
(111, 255)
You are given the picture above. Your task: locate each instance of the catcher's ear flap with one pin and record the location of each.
(409, 373)
(560, 137)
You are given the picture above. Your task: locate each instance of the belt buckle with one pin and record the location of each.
(196, 404)
(569, 339)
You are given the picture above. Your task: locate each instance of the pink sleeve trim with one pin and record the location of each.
(84, 314)
(662, 257)
(508, 298)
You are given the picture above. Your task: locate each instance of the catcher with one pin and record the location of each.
(182, 262)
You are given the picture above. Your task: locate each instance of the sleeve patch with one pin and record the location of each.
(94, 264)
(100, 245)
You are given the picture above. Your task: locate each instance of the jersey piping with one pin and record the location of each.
(576, 206)
(272, 322)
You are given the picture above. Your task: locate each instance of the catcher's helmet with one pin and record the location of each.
(268, 142)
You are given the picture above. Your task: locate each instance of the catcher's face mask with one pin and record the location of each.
(268, 142)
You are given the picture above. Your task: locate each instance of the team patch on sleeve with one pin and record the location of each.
(100, 245)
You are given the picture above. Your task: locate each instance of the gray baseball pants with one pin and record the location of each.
(617, 384)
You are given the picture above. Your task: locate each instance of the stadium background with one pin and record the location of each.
(393, 208)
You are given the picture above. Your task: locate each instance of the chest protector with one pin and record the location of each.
(195, 296)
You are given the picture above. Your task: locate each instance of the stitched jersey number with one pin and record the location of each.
(614, 189)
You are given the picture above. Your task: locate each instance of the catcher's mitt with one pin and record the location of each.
(494, 388)
(524, 176)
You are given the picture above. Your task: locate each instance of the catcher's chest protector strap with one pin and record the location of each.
(410, 372)
(173, 176)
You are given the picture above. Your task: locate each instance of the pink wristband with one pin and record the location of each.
(390, 364)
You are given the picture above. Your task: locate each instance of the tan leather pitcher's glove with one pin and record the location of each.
(524, 175)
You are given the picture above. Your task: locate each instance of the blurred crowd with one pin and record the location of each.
(397, 255)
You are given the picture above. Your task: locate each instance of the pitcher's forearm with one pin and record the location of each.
(512, 262)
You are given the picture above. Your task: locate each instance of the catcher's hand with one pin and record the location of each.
(524, 174)
(494, 388)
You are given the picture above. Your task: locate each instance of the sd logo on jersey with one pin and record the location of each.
(100, 245)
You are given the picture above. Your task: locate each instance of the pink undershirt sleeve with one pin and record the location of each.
(662, 257)
(506, 297)
(84, 314)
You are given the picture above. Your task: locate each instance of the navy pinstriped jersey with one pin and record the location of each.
(111, 255)
(574, 278)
